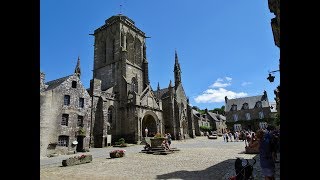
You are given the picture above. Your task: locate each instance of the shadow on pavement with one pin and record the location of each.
(222, 170)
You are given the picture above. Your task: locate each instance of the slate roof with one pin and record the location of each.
(55, 83)
(217, 117)
(195, 112)
(163, 93)
(252, 100)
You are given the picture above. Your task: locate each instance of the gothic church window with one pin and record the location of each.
(134, 85)
(137, 50)
(130, 48)
(66, 100)
(63, 141)
(74, 84)
(65, 119)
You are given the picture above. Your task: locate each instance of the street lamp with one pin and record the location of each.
(270, 77)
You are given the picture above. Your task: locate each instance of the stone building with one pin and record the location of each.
(124, 103)
(218, 121)
(274, 7)
(200, 120)
(247, 109)
(177, 112)
(64, 114)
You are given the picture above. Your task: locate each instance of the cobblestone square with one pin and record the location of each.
(199, 158)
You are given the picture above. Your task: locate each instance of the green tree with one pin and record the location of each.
(219, 110)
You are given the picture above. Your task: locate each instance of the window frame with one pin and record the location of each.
(66, 100)
(64, 120)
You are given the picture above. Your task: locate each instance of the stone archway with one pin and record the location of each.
(151, 122)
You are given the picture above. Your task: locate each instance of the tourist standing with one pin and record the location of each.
(227, 136)
(146, 131)
(266, 155)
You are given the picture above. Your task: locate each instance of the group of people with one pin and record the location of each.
(167, 141)
(267, 142)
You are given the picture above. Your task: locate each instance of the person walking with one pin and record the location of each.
(267, 162)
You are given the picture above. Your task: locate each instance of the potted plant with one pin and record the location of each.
(117, 153)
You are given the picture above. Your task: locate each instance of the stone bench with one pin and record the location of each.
(81, 159)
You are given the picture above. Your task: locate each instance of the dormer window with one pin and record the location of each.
(233, 107)
(245, 106)
(259, 104)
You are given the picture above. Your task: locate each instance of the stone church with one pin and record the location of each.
(123, 102)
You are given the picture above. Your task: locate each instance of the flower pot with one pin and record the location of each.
(116, 154)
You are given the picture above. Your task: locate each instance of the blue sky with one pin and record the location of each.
(225, 47)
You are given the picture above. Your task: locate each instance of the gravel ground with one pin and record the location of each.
(199, 158)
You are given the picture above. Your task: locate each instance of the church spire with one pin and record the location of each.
(77, 70)
(177, 70)
(170, 84)
(158, 88)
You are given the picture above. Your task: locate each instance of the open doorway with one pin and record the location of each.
(150, 123)
(80, 143)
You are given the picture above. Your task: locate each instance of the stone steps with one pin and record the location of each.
(159, 151)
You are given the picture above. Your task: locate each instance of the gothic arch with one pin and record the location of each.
(138, 52)
(134, 85)
(151, 121)
(130, 47)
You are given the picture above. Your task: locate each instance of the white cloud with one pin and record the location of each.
(246, 83)
(228, 78)
(217, 95)
(221, 83)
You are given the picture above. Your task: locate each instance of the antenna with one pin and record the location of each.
(122, 3)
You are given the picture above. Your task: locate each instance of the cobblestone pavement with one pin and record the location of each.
(199, 158)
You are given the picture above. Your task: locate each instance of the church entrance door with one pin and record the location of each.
(150, 123)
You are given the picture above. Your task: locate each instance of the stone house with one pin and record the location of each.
(123, 102)
(218, 121)
(200, 120)
(64, 114)
(247, 109)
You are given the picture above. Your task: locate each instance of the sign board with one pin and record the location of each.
(108, 140)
